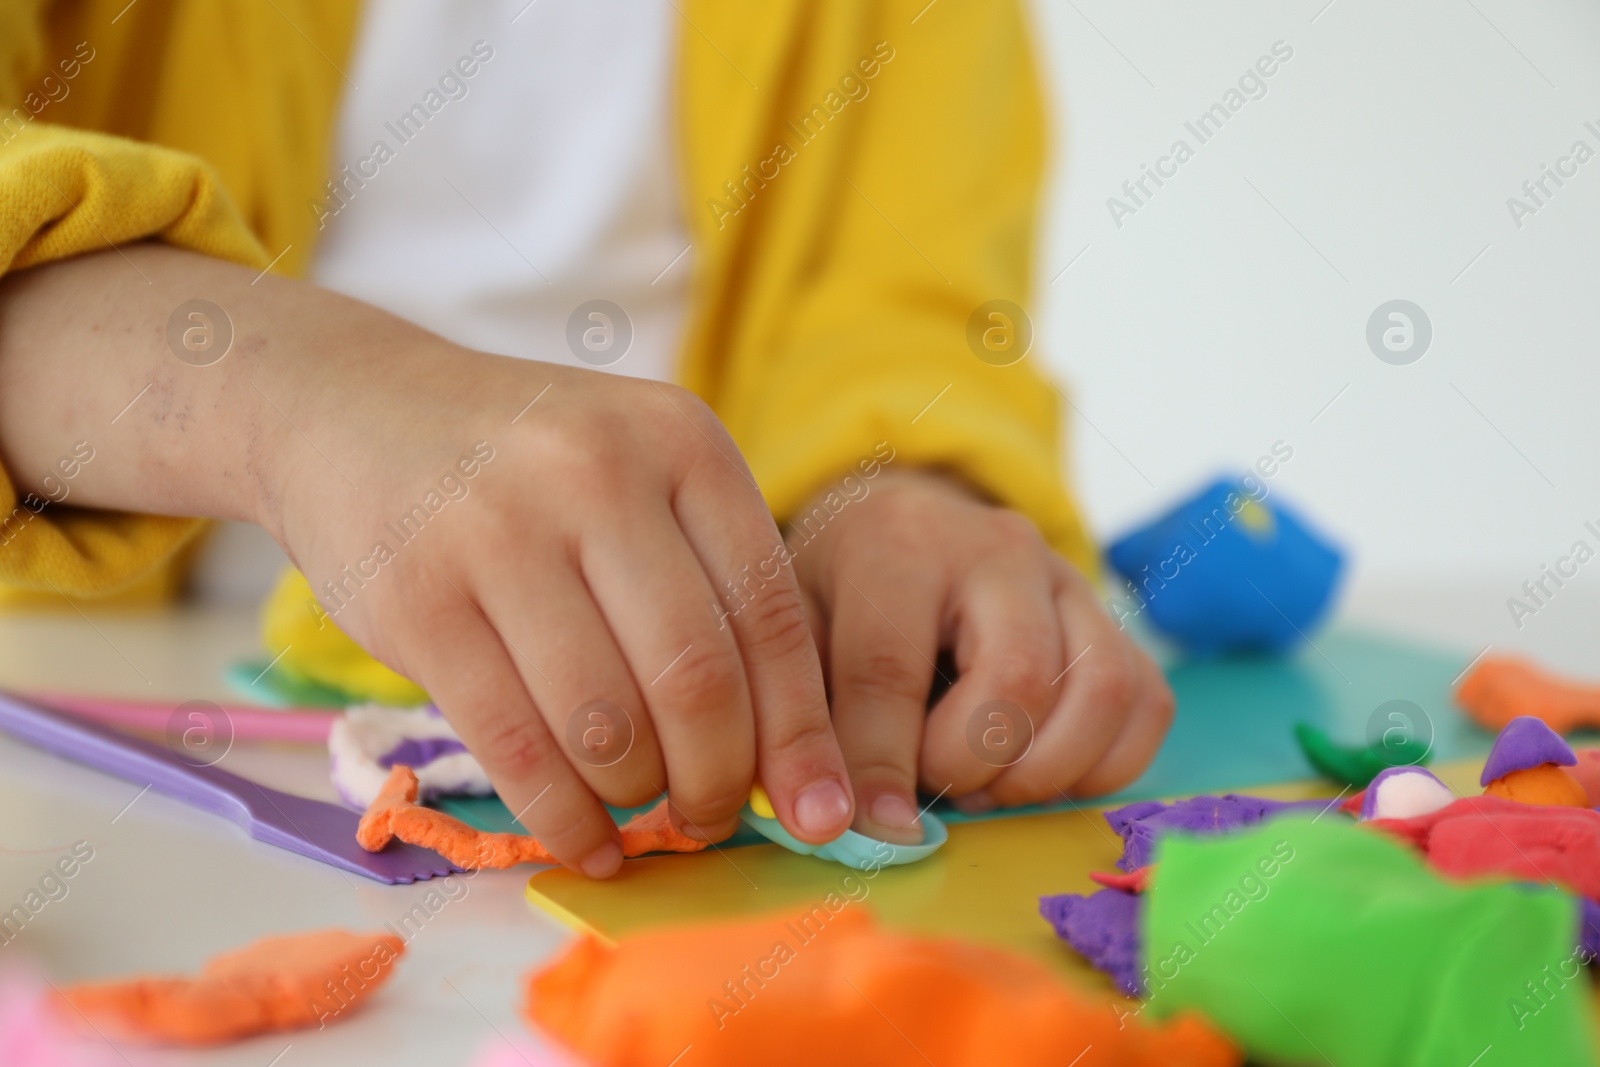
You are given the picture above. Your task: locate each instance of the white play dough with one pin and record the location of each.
(1405, 796)
(367, 732)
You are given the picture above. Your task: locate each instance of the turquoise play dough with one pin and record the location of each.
(852, 849)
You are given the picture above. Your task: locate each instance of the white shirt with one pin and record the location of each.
(499, 166)
(550, 181)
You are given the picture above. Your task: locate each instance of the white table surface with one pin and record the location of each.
(169, 886)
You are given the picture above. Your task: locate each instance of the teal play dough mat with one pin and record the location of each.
(1234, 727)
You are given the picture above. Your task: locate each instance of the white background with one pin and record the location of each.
(1206, 327)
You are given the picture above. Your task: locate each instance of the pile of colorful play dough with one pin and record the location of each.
(1407, 927)
(1425, 930)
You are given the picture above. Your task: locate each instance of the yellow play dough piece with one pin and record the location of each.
(1256, 519)
(760, 803)
(293, 623)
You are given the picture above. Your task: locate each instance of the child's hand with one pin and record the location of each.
(579, 563)
(536, 558)
(921, 564)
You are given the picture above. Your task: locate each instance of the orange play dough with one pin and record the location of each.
(829, 986)
(396, 813)
(1545, 784)
(1500, 688)
(277, 983)
(1587, 773)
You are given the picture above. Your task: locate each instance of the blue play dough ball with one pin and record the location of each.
(1227, 572)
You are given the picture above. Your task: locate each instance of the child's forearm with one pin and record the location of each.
(582, 574)
(187, 406)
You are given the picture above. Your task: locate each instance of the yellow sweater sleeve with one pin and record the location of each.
(64, 192)
(890, 193)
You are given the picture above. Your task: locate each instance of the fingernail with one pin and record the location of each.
(603, 862)
(822, 809)
(892, 809)
(979, 803)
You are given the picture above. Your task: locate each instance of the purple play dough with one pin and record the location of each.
(1104, 928)
(1525, 742)
(354, 803)
(1589, 929)
(1142, 824)
(420, 751)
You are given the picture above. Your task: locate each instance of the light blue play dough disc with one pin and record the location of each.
(852, 849)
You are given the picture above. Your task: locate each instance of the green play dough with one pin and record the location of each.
(1318, 941)
(1357, 767)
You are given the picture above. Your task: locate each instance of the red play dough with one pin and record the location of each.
(1487, 835)
(1134, 881)
(396, 813)
(1500, 688)
(278, 983)
(828, 986)
(1545, 784)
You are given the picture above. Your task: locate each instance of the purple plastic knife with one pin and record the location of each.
(312, 828)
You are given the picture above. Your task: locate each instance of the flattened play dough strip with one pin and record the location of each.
(1500, 688)
(277, 983)
(395, 813)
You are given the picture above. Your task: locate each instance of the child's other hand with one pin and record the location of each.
(922, 564)
(579, 562)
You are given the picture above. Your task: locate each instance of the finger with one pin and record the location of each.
(817, 616)
(1009, 649)
(655, 598)
(1146, 726)
(798, 756)
(468, 672)
(1094, 695)
(885, 637)
(578, 679)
